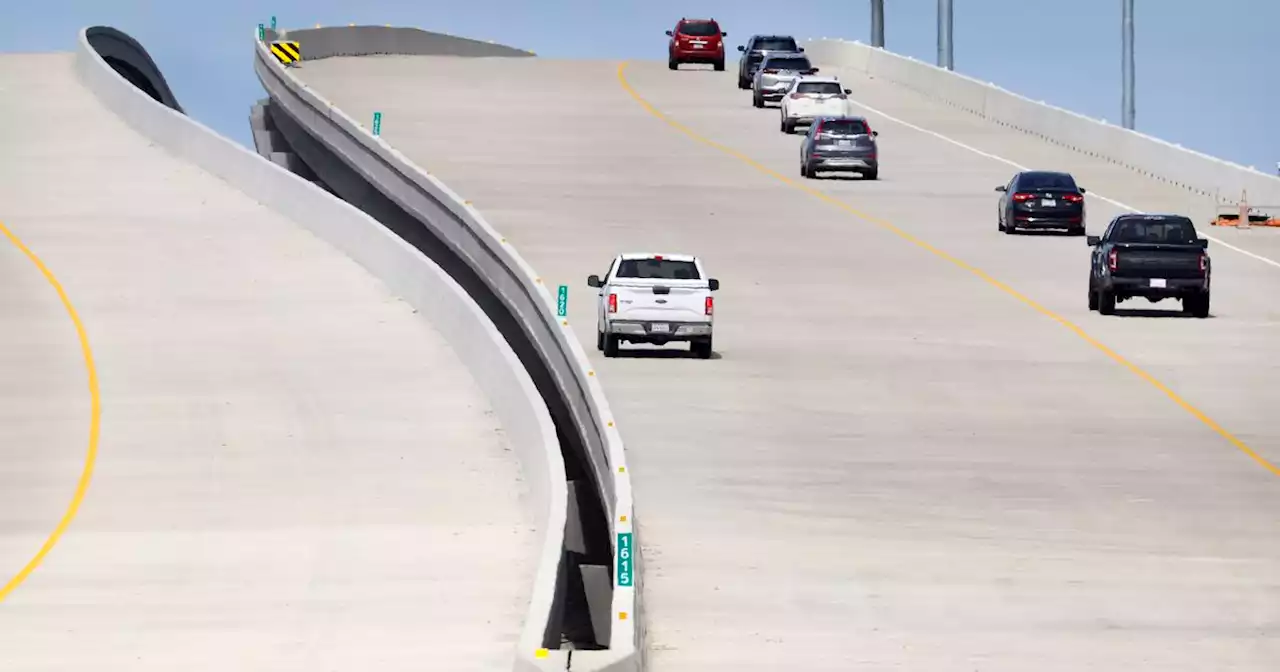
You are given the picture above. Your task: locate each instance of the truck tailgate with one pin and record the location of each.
(662, 301)
(1158, 261)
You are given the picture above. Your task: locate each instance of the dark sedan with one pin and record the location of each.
(1041, 199)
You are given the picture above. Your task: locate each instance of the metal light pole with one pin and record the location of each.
(877, 23)
(946, 55)
(1126, 63)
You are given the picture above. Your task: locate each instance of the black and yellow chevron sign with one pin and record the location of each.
(286, 52)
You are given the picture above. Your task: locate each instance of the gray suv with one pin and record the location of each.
(754, 51)
(775, 75)
(845, 144)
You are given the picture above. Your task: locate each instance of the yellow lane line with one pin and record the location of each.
(95, 414)
(1177, 399)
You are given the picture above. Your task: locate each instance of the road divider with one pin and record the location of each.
(364, 169)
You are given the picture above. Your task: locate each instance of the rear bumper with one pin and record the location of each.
(698, 55)
(1025, 221)
(645, 331)
(854, 163)
(1172, 287)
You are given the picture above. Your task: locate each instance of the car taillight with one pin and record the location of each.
(797, 96)
(1111, 260)
(711, 305)
(1020, 197)
(817, 129)
(770, 71)
(1073, 198)
(613, 303)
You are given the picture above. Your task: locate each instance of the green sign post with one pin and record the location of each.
(562, 301)
(625, 568)
(377, 123)
(262, 33)
(273, 23)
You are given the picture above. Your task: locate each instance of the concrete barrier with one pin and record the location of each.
(404, 269)
(486, 253)
(1199, 173)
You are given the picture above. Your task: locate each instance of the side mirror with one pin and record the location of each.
(594, 281)
(1082, 190)
(1203, 243)
(848, 91)
(813, 69)
(1093, 240)
(741, 48)
(800, 49)
(669, 34)
(1002, 189)
(724, 34)
(713, 284)
(875, 134)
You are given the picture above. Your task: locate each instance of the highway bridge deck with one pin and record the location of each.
(295, 472)
(895, 461)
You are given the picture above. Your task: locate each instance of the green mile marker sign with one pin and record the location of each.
(273, 23)
(262, 35)
(562, 301)
(377, 123)
(626, 566)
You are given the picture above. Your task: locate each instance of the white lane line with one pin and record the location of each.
(1014, 164)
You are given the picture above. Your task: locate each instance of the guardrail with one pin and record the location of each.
(1199, 173)
(573, 390)
(403, 268)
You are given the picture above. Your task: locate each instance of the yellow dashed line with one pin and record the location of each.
(1177, 399)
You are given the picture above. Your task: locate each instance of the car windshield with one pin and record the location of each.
(700, 29)
(842, 127)
(775, 44)
(818, 87)
(788, 63)
(1046, 181)
(661, 269)
(1174, 230)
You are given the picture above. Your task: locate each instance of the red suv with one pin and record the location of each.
(696, 41)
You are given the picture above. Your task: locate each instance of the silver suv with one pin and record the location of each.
(775, 75)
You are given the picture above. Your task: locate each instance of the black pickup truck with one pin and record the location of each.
(1153, 256)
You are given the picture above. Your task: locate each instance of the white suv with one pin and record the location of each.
(811, 98)
(657, 299)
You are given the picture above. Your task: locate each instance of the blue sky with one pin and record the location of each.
(1205, 80)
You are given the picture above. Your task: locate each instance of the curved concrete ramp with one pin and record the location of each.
(902, 457)
(294, 471)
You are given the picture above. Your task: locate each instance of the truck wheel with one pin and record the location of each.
(611, 345)
(744, 84)
(1106, 302)
(600, 340)
(1197, 305)
(701, 349)
(1093, 299)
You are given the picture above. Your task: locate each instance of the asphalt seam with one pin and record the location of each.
(974, 270)
(95, 421)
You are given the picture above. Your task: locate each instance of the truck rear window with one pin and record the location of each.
(1168, 230)
(791, 63)
(659, 269)
(775, 44)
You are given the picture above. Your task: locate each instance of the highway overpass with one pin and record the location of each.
(916, 447)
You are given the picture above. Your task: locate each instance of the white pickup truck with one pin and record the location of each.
(657, 299)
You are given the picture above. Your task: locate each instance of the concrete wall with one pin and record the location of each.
(405, 270)
(490, 258)
(1196, 172)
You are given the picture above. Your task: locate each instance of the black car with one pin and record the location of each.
(754, 51)
(1041, 199)
(844, 144)
(1153, 256)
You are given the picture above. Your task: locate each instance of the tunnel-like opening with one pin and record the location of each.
(131, 61)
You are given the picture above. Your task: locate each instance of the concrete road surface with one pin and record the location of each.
(294, 472)
(901, 458)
